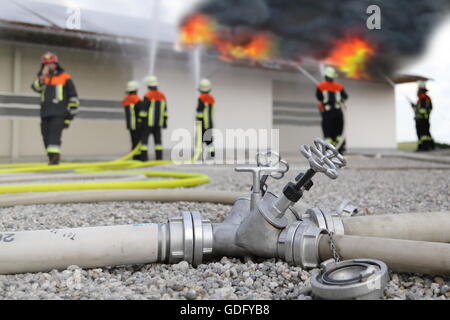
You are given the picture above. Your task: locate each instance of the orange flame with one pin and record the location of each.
(201, 29)
(198, 29)
(258, 47)
(351, 56)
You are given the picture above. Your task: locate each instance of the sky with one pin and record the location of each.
(435, 63)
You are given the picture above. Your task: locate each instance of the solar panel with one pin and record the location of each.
(47, 14)
(12, 12)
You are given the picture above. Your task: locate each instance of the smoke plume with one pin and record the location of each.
(312, 27)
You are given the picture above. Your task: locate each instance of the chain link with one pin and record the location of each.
(333, 248)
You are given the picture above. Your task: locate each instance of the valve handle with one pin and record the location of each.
(323, 157)
(265, 159)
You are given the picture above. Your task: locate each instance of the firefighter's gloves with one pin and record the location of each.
(67, 123)
(73, 111)
(165, 125)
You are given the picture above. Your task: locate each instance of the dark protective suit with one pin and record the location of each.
(59, 103)
(154, 116)
(331, 95)
(205, 114)
(422, 112)
(132, 106)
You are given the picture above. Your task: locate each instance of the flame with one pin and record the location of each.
(198, 29)
(257, 47)
(351, 56)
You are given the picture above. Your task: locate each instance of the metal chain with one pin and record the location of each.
(333, 248)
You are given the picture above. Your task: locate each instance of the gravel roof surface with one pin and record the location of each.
(375, 185)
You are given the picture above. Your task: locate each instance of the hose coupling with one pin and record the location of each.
(324, 219)
(190, 239)
(298, 244)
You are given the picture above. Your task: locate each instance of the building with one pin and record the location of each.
(110, 50)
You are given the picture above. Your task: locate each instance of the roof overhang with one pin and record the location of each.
(407, 78)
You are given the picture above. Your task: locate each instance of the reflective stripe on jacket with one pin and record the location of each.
(331, 95)
(154, 110)
(423, 107)
(58, 93)
(132, 106)
(206, 110)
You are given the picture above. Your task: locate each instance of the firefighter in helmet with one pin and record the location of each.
(205, 114)
(132, 106)
(332, 97)
(422, 110)
(59, 104)
(154, 116)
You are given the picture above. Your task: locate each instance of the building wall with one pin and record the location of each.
(370, 119)
(96, 75)
(94, 138)
(243, 96)
(298, 92)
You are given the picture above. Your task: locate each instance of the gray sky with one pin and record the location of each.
(434, 64)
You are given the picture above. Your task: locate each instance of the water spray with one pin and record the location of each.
(197, 64)
(154, 41)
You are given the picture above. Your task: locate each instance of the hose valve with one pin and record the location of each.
(269, 164)
(323, 158)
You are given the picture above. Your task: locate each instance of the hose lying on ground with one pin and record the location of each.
(400, 255)
(177, 179)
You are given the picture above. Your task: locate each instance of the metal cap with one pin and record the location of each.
(360, 279)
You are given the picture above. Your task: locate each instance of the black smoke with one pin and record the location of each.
(311, 27)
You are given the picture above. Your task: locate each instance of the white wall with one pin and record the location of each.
(371, 117)
(85, 138)
(243, 96)
(370, 120)
(295, 89)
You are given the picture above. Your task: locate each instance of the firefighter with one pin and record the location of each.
(205, 114)
(132, 106)
(59, 104)
(154, 117)
(422, 110)
(332, 97)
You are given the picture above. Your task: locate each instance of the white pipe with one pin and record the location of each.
(120, 195)
(433, 226)
(40, 251)
(400, 255)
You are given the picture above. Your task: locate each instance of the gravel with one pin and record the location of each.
(375, 185)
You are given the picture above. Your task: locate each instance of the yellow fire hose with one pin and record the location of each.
(175, 179)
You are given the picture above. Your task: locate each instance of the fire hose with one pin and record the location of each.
(178, 179)
(262, 225)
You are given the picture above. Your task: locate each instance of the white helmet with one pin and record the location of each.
(152, 81)
(422, 84)
(132, 86)
(330, 72)
(205, 85)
